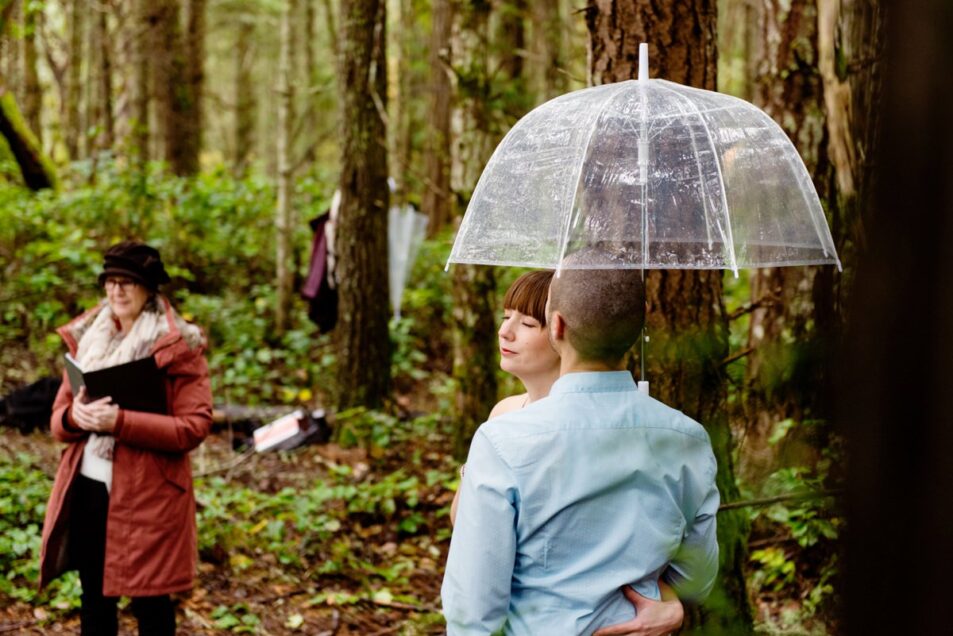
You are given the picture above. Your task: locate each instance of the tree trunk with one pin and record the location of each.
(516, 98)
(104, 87)
(402, 104)
(173, 78)
(685, 313)
(850, 60)
(784, 377)
(12, 49)
(72, 127)
(895, 400)
(7, 8)
(437, 204)
(310, 74)
(512, 37)
(192, 117)
(363, 342)
(547, 41)
(38, 171)
(331, 21)
(142, 35)
(246, 106)
(32, 93)
(284, 219)
(474, 287)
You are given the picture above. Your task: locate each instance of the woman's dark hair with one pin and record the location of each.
(528, 293)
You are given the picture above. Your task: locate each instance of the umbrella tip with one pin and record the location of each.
(643, 61)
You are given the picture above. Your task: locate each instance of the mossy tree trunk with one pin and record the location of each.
(37, 170)
(474, 287)
(32, 92)
(363, 343)
(686, 317)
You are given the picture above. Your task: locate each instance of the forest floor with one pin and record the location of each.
(374, 574)
(321, 540)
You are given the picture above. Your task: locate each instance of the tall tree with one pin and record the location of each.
(173, 80)
(246, 102)
(547, 36)
(142, 80)
(363, 343)
(99, 80)
(474, 287)
(12, 49)
(32, 92)
(401, 130)
(193, 117)
(437, 204)
(819, 78)
(73, 125)
(685, 312)
(895, 401)
(783, 377)
(284, 219)
(850, 59)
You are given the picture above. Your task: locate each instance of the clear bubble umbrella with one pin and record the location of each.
(657, 174)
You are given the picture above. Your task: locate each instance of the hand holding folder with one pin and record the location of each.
(135, 386)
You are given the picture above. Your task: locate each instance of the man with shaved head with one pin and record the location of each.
(588, 497)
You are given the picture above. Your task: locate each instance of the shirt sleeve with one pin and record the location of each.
(476, 586)
(693, 571)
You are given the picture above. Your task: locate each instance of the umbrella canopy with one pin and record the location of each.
(656, 174)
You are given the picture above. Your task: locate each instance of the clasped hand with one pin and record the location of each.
(655, 618)
(98, 416)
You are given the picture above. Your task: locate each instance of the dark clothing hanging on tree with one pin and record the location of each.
(319, 289)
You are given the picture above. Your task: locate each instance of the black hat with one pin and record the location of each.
(137, 261)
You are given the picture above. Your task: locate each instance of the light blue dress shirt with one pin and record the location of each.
(568, 499)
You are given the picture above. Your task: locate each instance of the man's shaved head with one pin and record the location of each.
(603, 310)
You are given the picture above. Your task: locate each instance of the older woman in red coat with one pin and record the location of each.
(122, 510)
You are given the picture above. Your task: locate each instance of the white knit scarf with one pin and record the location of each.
(103, 345)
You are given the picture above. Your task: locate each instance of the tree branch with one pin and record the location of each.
(757, 503)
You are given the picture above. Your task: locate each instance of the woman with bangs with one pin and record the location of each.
(525, 351)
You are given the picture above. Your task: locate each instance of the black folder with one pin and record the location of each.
(135, 386)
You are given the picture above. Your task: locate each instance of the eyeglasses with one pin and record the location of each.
(123, 284)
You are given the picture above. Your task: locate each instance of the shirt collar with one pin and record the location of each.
(593, 381)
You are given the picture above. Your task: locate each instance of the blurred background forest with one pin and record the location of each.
(217, 129)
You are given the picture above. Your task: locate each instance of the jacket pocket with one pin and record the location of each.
(175, 470)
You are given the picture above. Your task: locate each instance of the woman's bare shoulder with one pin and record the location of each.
(512, 403)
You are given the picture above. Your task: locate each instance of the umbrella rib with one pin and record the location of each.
(721, 179)
(572, 201)
(701, 180)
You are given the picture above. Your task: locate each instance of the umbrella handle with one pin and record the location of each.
(643, 387)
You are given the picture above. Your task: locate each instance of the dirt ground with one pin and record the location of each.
(282, 604)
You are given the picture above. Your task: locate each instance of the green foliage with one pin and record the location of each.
(807, 530)
(305, 527)
(24, 491)
(215, 234)
(248, 364)
(238, 619)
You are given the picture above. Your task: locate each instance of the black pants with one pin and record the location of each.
(155, 614)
